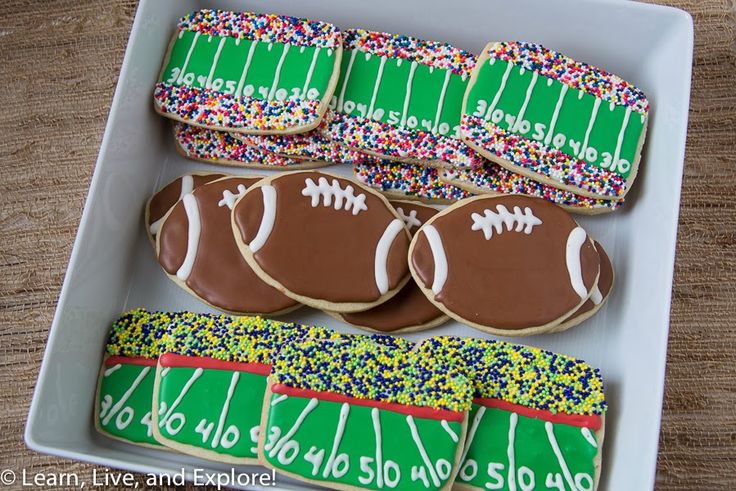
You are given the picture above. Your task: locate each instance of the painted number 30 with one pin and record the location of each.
(231, 86)
(558, 140)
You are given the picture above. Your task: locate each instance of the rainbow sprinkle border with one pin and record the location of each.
(390, 141)
(438, 55)
(312, 145)
(211, 108)
(201, 143)
(267, 28)
(494, 178)
(540, 159)
(411, 180)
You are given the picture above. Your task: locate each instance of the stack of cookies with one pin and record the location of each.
(415, 118)
(265, 246)
(352, 412)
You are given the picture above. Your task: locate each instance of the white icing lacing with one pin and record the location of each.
(329, 191)
(411, 219)
(229, 199)
(488, 222)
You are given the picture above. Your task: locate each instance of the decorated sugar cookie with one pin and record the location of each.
(323, 240)
(211, 379)
(196, 248)
(247, 72)
(599, 295)
(537, 420)
(562, 122)
(400, 180)
(220, 147)
(400, 98)
(493, 179)
(363, 416)
(310, 146)
(161, 202)
(408, 310)
(124, 390)
(505, 265)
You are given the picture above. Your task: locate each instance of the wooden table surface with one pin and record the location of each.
(59, 62)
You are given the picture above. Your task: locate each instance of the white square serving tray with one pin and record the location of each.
(112, 267)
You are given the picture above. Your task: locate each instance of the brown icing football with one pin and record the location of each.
(408, 310)
(505, 263)
(323, 240)
(161, 202)
(196, 247)
(599, 295)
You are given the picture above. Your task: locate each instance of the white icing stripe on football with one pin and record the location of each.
(575, 242)
(187, 185)
(194, 230)
(596, 297)
(155, 226)
(269, 217)
(438, 255)
(382, 250)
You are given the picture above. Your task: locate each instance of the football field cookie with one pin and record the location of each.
(562, 122)
(211, 380)
(400, 180)
(220, 147)
(493, 179)
(409, 310)
(124, 398)
(248, 72)
(400, 98)
(323, 240)
(196, 248)
(505, 265)
(363, 416)
(599, 295)
(161, 202)
(537, 419)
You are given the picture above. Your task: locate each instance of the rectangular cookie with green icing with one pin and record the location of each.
(123, 399)
(211, 379)
(360, 415)
(559, 121)
(537, 418)
(249, 72)
(400, 97)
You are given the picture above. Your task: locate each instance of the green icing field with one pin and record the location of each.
(399, 92)
(499, 453)
(215, 410)
(508, 86)
(125, 402)
(359, 446)
(268, 71)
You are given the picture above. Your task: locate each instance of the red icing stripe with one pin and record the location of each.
(593, 421)
(416, 411)
(183, 361)
(130, 360)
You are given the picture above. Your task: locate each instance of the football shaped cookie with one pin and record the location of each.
(161, 202)
(597, 298)
(510, 264)
(323, 240)
(196, 248)
(409, 310)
